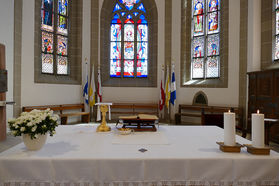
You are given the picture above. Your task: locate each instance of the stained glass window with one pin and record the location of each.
(129, 37)
(54, 36)
(205, 39)
(276, 45)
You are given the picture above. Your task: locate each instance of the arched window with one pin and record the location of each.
(276, 50)
(54, 37)
(205, 60)
(129, 40)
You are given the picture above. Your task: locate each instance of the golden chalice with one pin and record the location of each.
(103, 126)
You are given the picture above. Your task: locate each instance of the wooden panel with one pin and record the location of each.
(2, 97)
(264, 95)
(264, 81)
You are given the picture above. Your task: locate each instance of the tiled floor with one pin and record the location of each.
(9, 142)
(12, 141)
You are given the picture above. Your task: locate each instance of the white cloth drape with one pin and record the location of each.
(78, 155)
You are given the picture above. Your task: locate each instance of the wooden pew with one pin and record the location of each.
(134, 108)
(199, 110)
(85, 116)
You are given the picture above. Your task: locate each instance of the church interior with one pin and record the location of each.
(186, 63)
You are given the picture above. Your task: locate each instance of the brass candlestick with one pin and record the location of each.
(103, 126)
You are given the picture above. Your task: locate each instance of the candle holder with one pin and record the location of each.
(225, 148)
(256, 150)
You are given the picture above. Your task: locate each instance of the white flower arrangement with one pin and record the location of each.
(34, 123)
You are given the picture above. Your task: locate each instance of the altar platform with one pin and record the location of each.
(174, 155)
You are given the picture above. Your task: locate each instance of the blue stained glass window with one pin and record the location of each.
(142, 50)
(115, 32)
(124, 40)
(198, 7)
(117, 7)
(142, 32)
(142, 68)
(116, 19)
(54, 36)
(62, 7)
(141, 7)
(129, 4)
(48, 5)
(115, 50)
(128, 68)
(115, 70)
(213, 5)
(205, 38)
(142, 20)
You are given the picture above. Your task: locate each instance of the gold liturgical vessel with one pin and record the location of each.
(103, 126)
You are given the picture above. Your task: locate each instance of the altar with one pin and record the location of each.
(174, 155)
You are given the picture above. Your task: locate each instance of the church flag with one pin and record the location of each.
(92, 90)
(162, 92)
(99, 87)
(167, 89)
(85, 88)
(173, 87)
(99, 95)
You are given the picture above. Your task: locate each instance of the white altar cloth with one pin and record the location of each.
(77, 155)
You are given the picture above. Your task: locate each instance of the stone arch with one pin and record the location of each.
(200, 98)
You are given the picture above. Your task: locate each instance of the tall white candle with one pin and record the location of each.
(258, 130)
(229, 128)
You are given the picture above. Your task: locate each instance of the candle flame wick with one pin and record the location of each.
(258, 111)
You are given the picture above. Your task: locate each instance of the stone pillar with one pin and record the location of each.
(2, 97)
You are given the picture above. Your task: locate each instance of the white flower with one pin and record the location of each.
(36, 136)
(34, 128)
(22, 129)
(11, 120)
(14, 132)
(30, 124)
(44, 126)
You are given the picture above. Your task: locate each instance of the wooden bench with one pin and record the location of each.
(134, 108)
(199, 110)
(85, 116)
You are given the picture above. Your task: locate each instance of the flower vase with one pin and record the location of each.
(34, 144)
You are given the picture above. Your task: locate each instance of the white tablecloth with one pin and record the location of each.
(78, 156)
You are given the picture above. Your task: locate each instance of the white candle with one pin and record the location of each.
(258, 130)
(229, 128)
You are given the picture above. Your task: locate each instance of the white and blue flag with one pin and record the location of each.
(173, 87)
(85, 88)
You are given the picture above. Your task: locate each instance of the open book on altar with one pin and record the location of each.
(140, 116)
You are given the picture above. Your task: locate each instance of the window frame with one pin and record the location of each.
(185, 49)
(205, 37)
(74, 47)
(152, 17)
(56, 34)
(135, 41)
